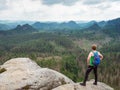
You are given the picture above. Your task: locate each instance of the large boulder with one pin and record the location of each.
(89, 86)
(23, 73)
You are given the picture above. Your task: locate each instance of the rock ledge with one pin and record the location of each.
(89, 86)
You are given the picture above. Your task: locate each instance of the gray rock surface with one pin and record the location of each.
(23, 73)
(89, 86)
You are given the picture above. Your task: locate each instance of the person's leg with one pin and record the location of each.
(95, 73)
(86, 75)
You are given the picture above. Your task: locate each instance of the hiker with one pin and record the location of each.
(93, 61)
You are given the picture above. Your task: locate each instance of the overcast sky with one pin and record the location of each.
(59, 10)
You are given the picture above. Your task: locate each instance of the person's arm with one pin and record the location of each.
(101, 56)
(88, 58)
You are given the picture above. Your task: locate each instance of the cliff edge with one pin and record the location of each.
(25, 74)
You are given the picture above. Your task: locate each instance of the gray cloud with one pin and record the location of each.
(64, 2)
(104, 6)
(3, 4)
(92, 2)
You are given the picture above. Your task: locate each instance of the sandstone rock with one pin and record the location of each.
(23, 73)
(89, 86)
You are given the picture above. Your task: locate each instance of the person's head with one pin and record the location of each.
(94, 47)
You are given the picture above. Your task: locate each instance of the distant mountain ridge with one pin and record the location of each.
(5, 27)
(9, 24)
(113, 25)
(55, 25)
(20, 29)
(94, 26)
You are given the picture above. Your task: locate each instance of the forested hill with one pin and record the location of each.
(64, 47)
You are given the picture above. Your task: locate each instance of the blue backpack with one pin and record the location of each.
(96, 61)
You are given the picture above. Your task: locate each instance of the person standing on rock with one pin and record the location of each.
(93, 61)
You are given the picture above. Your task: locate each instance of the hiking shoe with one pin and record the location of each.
(94, 83)
(83, 84)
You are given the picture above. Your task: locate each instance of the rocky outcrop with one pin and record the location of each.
(89, 86)
(23, 73)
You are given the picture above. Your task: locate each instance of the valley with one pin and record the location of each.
(64, 47)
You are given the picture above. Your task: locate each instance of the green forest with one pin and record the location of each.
(66, 51)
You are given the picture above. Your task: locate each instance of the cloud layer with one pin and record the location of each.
(59, 10)
(64, 2)
(3, 4)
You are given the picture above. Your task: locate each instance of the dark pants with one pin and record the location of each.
(89, 69)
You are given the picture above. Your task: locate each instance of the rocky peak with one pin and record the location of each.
(23, 73)
(24, 27)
